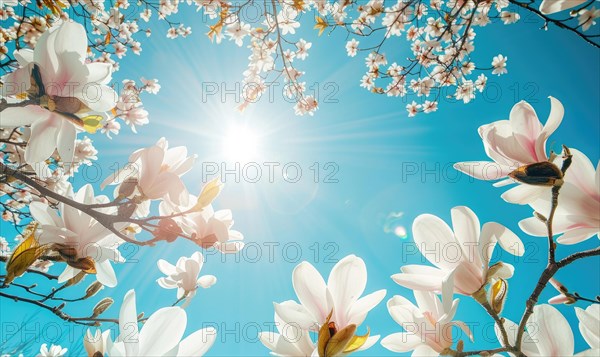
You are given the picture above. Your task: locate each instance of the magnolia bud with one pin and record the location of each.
(167, 229)
(128, 186)
(102, 306)
(93, 289)
(542, 173)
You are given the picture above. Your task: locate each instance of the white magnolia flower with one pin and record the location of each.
(340, 297)
(185, 276)
(577, 216)
(548, 334)
(156, 173)
(161, 334)
(53, 351)
(78, 236)
(95, 343)
(466, 251)
(428, 325)
(589, 324)
(71, 88)
(512, 143)
(548, 7)
(209, 228)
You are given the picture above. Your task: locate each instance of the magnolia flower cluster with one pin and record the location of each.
(521, 141)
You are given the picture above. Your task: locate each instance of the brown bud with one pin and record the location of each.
(167, 229)
(76, 279)
(93, 289)
(128, 186)
(207, 242)
(85, 264)
(101, 307)
(542, 173)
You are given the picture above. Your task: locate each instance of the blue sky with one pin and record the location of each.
(372, 143)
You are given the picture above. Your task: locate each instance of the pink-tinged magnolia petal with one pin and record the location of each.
(361, 308)
(106, 274)
(206, 281)
(548, 7)
(448, 291)
(582, 174)
(559, 299)
(419, 281)
(347, 282)
(578, 235)
(52, 234)
(292, 312)
(151, 164)
(483, 170)
(15, 117)
(467, 279)
(16, 82)
(198, 343)
(523, 194)
(466, 230)
(66, 142)
(43, 139)
(128, 324)
(433, 236)
(551, 331)
(401, 342)
(526, 128)
(311, 290)
(557, 111)
(589, 324)
(162, 331)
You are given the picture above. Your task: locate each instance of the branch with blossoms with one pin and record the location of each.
(440, 34)
(564, 194)
(46, 104)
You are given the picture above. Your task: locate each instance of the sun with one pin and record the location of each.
(240, 144)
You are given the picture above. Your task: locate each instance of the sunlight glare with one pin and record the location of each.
(240, 144)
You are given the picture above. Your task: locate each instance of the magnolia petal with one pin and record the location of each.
(419, 281)
(548, 7)
(206, 281)
(68, 273)
(16, 82)
(466, 227)
(401, 342)
(128, 324)
(97, 97)
(360, 309)
(533, 226)
(551, 331)
(70, 38)
(347, 281)
(528, 346)
(197, 343)
(483, 170)
(43, 139)
(577, 235)
(66, 142)
(292, 312)
(44, 214)
(431, 234)
(557, 111)
(589, 323)
(311, 290)
(523, 194)
(106, 274)
(21, 116)
(162, 331)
